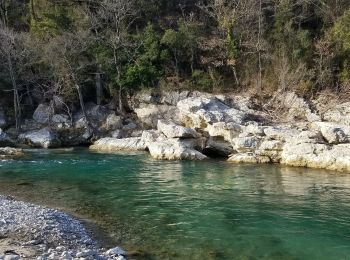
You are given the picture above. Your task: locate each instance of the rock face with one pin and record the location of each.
(44, 138)
(114, 144)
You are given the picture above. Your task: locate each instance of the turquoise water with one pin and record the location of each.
(192, 210)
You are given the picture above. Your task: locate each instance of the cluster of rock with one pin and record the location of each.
(195, 125)
(28, 231)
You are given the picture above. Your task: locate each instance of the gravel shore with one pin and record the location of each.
(29, 231)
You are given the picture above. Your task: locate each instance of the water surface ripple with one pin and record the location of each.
(192, 210)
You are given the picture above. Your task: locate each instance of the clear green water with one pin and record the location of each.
(193, 210)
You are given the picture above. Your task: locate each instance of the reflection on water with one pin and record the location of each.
(193, 210)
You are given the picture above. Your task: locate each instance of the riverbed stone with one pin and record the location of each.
(116, 251)
(11, 257)
(86, 253)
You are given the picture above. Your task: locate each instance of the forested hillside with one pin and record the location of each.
(74, 51)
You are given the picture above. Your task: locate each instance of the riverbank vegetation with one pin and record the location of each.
(70, 52)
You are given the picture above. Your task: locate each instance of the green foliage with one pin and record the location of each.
(146, 70)
(288, 37)
(341, 31)
(51, 19)
(202, 80)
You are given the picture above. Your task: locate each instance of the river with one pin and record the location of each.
(191, 210)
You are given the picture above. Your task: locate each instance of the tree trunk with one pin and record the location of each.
(16, 102)
(259, 49)
(81, 101)
(98, 88)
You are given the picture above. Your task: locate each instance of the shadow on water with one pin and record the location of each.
(191, 210)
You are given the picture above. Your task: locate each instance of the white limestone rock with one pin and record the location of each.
(109, 144)
(334, 133)
(248, 158)
(171, 151)
(44, 138)
(172, 130)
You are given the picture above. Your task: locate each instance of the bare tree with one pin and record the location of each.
(115, 17)
(11, 54)
(66, 54)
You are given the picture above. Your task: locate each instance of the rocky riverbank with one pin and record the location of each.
(29, 231)
(186, 125)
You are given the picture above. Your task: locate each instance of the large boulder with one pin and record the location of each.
(315, 155)
(113, 122)
(338, 114)
(227, 131)
(44, 138)
(334, 133)
(61, 121)
(199, 112)
(280, 133)
(114, 144)
(96, 115)
(246, 144)
(296, 107)
(272, 149)
(5, 140)
(218, 146)
(172, 130)
(169, 150)
(75, 136)
(42, 114)
(150, 114)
